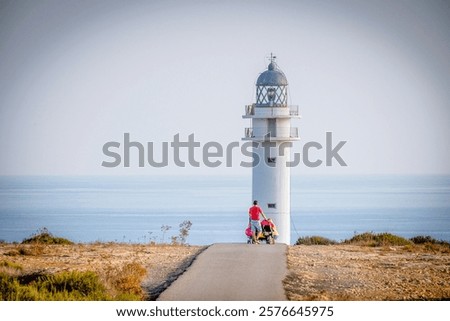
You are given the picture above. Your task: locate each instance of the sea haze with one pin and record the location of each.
(133, 209)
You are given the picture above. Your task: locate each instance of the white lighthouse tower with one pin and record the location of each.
(272, 136)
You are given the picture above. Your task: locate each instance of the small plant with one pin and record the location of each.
(185, 227)
(151, 239)
(164, 229)
(314, 240)
(43, 236)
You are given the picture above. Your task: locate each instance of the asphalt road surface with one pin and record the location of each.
(233, 272)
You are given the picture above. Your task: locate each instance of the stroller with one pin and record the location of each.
(268, 232)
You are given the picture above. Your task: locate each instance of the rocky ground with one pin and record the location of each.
(347, 272)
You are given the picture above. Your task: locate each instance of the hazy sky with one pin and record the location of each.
(77, 74)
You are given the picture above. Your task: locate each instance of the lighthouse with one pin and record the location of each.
(272, 135)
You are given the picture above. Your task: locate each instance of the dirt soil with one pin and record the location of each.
(163, 262)
(347, 272)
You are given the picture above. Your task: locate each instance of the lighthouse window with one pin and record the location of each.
(272, 160)
(272, 205)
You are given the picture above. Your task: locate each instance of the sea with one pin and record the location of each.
(143, 209)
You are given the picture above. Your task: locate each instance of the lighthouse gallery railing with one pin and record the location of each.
(293, 133)
(250, 110)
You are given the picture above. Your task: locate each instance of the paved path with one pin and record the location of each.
(233, 272)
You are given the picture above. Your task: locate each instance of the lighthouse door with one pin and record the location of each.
(272, 127)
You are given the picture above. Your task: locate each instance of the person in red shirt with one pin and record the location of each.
(253, 213)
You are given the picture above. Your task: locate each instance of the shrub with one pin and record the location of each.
(8, 287)
(12, 253)
(79, 286)
(34, 249)
(43, 236)
(421, 239)
(430, 244)
(126, 281)
(73, 286)
(314, 240)
(381, 239)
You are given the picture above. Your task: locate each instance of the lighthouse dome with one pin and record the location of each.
(273, 76)
(271, 87)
